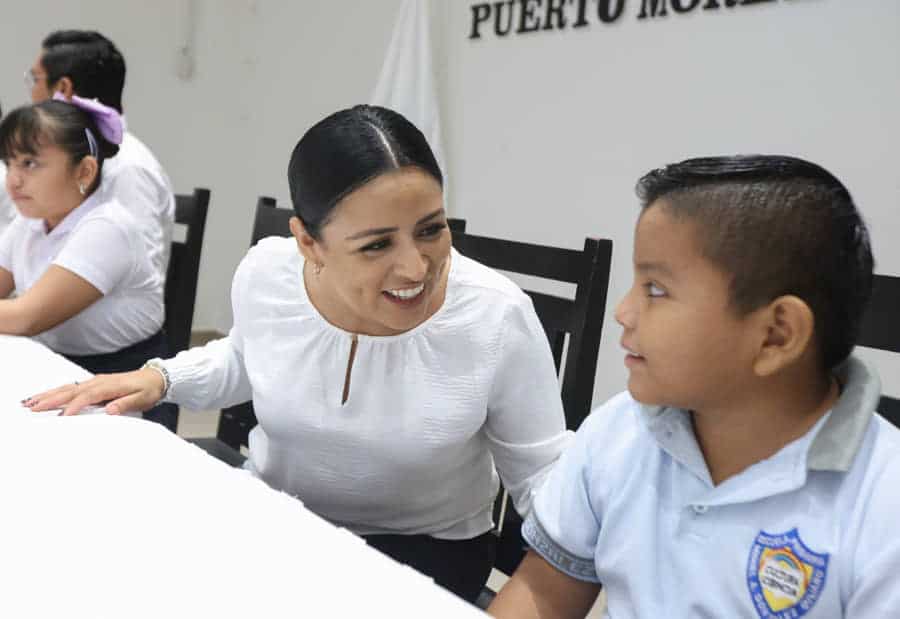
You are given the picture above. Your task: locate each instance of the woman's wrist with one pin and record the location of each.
(159, 369)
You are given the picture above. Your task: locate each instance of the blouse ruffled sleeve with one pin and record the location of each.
(214, 375)
(526, 427)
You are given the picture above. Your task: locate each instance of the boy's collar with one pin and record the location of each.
(839, 438)
(837, 443)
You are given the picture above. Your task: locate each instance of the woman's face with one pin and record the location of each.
(384, 255)
(45, 185)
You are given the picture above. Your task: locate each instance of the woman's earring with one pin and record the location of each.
(317, 270)
(81, 188)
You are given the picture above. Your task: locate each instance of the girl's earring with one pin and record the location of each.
(318, 268)
(81, 189)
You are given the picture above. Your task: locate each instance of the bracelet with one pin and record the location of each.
(156, 364)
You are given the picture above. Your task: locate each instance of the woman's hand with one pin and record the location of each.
(122, 393)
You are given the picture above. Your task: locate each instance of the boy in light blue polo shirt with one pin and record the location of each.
(744, 473)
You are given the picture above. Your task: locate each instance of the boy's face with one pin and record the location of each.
(686, 346)
(41, 89)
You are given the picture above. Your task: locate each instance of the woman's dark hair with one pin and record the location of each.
(90, 60)
(28, 128)
(346, 150)
(776, 225)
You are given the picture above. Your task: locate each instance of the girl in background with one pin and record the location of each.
(85, 286)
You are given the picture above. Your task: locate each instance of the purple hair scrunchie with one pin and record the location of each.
(107, 119)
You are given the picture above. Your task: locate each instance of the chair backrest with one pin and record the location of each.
(581, 318)
(235, 422)
(881, 330)
(270, 220)
(184, 265)
(456, 226)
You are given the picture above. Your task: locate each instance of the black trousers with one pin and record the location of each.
(132, 358)
(460, 566)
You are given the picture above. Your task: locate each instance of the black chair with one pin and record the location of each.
(235, 422)
(581, 319)
(881, 330)
(270, 220)
(184, 265)
(180, 291)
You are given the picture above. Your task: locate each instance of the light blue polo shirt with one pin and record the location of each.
(813, 531)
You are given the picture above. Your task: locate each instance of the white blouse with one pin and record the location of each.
(100, 242)
(430, 412)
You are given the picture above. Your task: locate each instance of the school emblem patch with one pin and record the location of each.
(784, 576)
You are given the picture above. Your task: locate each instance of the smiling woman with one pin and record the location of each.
(381, 260)
(393, 378)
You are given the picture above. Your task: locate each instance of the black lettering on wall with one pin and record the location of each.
(683, 6)
(582, 20)
(526, 16)
(480, 12)
(609, 10)
(555, 12)
(498, 17)
(657, 7)
(528, 20)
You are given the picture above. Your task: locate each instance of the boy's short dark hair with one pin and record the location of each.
(90, 60)
(777, 225)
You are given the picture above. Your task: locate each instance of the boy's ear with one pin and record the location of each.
(789, 325)
(64, 85)
(307, 245)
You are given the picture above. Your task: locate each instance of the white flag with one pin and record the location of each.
(407, 82)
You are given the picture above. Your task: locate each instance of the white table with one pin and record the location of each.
(27, 368)
(116, 517)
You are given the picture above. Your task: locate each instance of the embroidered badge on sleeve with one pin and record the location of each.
(785, 577)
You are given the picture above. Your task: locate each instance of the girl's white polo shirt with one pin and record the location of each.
(100, 242)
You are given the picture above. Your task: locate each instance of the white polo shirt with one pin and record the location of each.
(8, 210)
(98, 241)
(137, 181)
(813, 531)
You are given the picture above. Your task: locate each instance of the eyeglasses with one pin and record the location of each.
(31, 78)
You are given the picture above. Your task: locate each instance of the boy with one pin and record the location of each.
(744, 474)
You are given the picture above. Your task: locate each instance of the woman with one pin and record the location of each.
(389, 374)
(84, 283)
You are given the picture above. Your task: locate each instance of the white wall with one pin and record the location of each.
(266, 70)
(547, 132)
